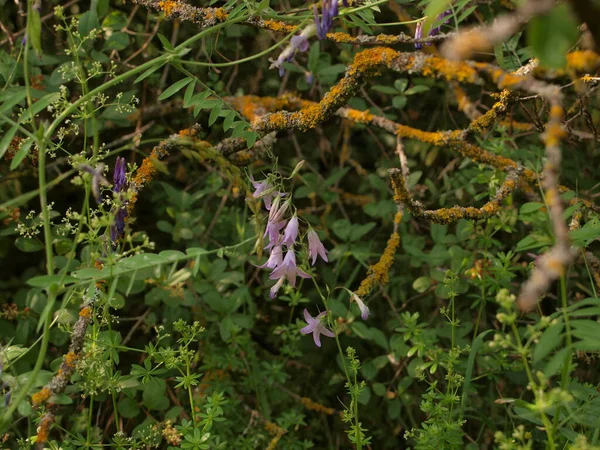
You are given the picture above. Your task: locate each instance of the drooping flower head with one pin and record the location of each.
(119, 186)
(264, 190)
(315, 247)
(291, 232)
(276, 222)
(316, 327)
(275, 258)
(364, 309)
(298, 43)
(433, 31)
(286, 270)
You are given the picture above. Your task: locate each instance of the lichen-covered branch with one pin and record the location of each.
(403, 197)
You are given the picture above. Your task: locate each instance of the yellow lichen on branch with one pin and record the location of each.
(378, 273)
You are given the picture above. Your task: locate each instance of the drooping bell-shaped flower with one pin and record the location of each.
(364, 309)
(275, 258)
(263, 189)
(275, 222)
(291, 232)
(315, 247)
(316, 327)
(287, 270)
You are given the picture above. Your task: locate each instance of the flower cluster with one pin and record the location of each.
(284, 267)
(329, 12)
(120, 210)
(433, 31)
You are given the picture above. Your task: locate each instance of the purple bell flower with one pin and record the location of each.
(287, 270)
(291, 232)
(315, 247)
(316, 327)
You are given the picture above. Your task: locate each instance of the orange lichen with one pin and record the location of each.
(273, 428)
(499, 109)
(221, 14)
(340, 37)
(314, 406)
(70, 359)
(85, 313)
(41, 396)
(583, 61)
(44, 428)
(370, 59)
(168, 6)
(437, 67)
(378, 274)
(275, 25)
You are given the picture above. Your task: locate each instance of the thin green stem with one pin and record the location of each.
(139, 69)
(249, 58)
(523, 353)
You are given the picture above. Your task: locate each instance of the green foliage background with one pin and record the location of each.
(184, 348)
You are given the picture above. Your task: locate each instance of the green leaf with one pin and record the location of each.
(117, 41)
(7, 139)
(154, 396)
(250, 137)
(21, 153)
(214, 114)
(128, 408)
(530, 207)
(228, 121)
(477, 344)
(189, 92)
(174, 88)
(549, 340)
(400, 84)
(552, 35)
(40, 105)
(421, 284)
(166, 43)
(149, 72)
(358, 231)
(11, 98)
(416, 89)
(399, 102)
(28, 244)
(45, 281)
(88, 21)
(434, 9)
(386, 90)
